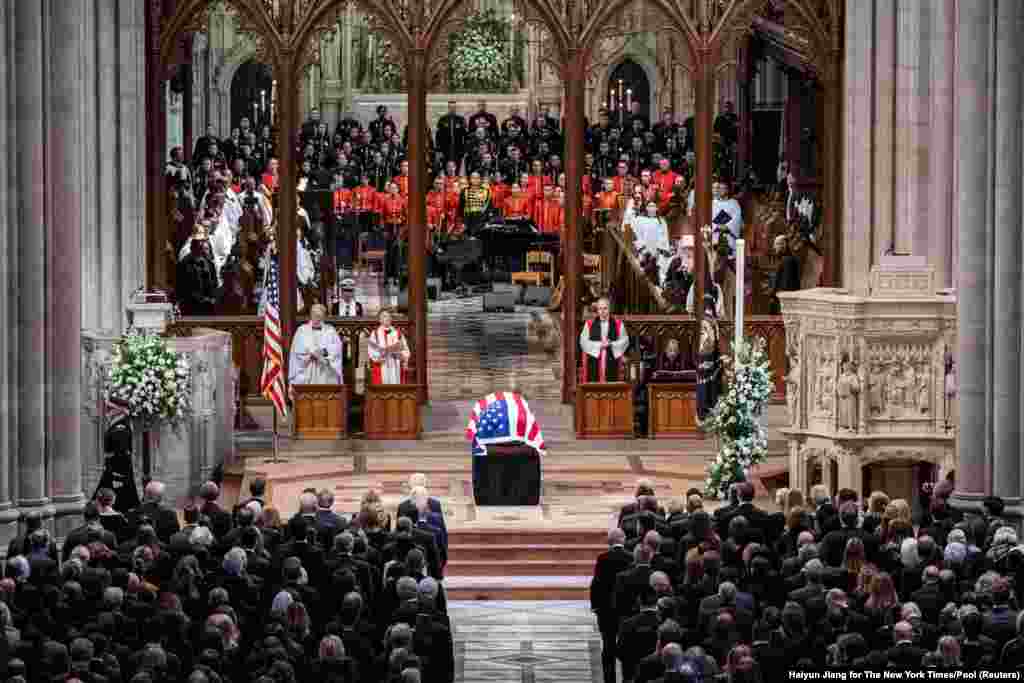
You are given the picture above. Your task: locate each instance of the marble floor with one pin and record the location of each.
(525, 642)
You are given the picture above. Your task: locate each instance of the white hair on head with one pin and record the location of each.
(307, 503)
(417, 479)
(154, 490)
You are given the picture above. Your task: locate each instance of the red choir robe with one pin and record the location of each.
(342, 200)
(403, 184)
(499, 194)
(517, 206)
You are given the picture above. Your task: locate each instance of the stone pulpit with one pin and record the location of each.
(866, 383)
(183, 460)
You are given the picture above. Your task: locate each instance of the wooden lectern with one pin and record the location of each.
(672, 410)
(392, 411)
(321, 411)
(604, 410)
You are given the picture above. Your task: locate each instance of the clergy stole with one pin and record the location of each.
(387, 368)
(605, 367)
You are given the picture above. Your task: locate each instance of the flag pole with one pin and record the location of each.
(275, 436)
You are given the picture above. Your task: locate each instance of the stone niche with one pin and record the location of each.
(182, 460)
(866, 385)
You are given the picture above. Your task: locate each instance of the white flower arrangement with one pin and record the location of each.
(154, 382)
(478, 55)
(736, 418)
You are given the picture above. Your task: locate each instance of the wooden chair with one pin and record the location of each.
(543, 264)
(368, 256)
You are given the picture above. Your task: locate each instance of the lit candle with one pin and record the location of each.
(740, 290)
(629, 99)
(255, 113)
(263, 101)
(273, 100)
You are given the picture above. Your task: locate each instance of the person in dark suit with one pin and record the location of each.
(428, 521)
(405, 538)
(929, 597)
(304, 547)
(1000, 621)
(787, 275)
(756, 517)
(904, 654)
(328, 523)
(163, 518)
(83, 535)
(638, 635)
(408, 508)
(220, 519)
(602, 597)
(342, 559)
(644, 487)
(834, 543)
(630, 583)
(726, 598)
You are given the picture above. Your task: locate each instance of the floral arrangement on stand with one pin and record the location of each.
(735, 421)
(152, 381)
(387, 72)
(806, 226)
(482, 52)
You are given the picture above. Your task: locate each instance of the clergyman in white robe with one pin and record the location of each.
(389, 353)
(651, 236)
(316, 355)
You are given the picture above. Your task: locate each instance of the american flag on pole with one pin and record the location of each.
(272, 382)
(503, 417)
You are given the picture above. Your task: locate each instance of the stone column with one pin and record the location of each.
(937, 232)
(31, 61)
(1006, 230)
(884, 49)
(857, 156)
(975, 23)
(64, 271)
(105, 170)
(911, 117)
(131, 183)
(8, 266)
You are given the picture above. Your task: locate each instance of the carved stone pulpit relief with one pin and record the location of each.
(866, 378)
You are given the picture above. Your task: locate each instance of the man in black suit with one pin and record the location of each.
(83, 535)
(638, 635)
(929, 597)
(163, 518)
(328, 523)
(342, 559)
(303, 546)
(450, 138)
(1000, 621)
(833, 545)
(652, 667)
(629, 583)
(787, 275)
(756, 517)
(407, 508)
(904, 655)
(725, 598)
(220, 519)
(406, 537)
(307, 511)
(257, 492)
(602, 586)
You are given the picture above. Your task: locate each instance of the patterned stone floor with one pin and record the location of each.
(525, 642)
(473, 353)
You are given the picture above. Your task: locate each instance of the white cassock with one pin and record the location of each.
(651, 235)
(387, 365)
(307, 363)
(731, 207)
(593, 348)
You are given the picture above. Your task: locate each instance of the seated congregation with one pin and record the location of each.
(747, 595)
(231, 595)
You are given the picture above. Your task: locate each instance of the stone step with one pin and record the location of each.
(515, 552)
(527, 536)
(499, 568)
(517, 587)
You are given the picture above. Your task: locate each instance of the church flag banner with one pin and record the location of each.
(503, 417)
(272, 382)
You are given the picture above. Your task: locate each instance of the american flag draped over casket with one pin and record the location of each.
(503, 417)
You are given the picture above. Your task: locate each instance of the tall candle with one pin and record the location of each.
(740, 291)
(629, 99)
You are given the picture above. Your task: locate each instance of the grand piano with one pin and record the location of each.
(484, 257)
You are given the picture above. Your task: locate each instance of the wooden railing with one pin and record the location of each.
(661, 328)
(247, 340)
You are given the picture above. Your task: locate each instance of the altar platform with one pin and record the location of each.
(541, 552)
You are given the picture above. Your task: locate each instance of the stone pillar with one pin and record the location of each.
(8, 274)
(911, 115)
(884, 104)
(1006, 230)
(937, 232)
(416, 69)
(975, 24)
(574, 83)
(64, 271)
(31, 61)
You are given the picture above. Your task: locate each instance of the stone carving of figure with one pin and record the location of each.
(793, 388)
(923, 389)
(894, 389)
(848, 390)
(824, 384)
(910, 388)
(876, 388)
